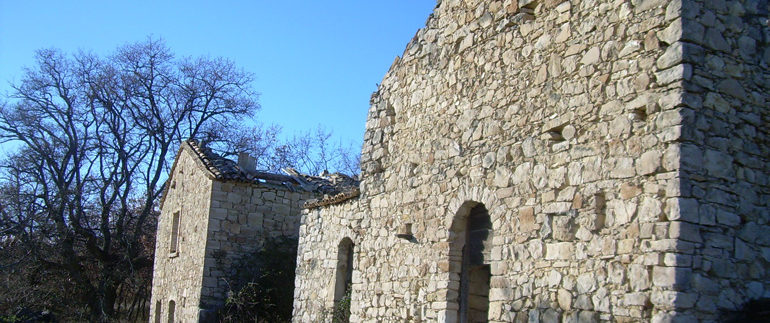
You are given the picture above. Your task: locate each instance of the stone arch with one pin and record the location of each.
(472, 194)
(343, 277)
(470, 240)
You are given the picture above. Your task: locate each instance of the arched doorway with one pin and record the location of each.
(469, 252)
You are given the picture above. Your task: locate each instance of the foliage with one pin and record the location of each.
(262, 287)
(341, 312)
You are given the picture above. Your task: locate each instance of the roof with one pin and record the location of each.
(333, 199)
(336, 187)
(223, 169)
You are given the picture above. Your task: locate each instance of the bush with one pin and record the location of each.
(262, 288)
(341, 313)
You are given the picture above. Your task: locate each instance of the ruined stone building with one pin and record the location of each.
(557, 161)
(215, 212)
(524, 160)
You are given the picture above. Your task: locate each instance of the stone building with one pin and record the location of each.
(214, 212)
(557, 161)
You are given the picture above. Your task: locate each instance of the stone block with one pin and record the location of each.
(623, 168)
(648, 163)
(522, 173)
(564, 297)
(719, 164)
(673, 74)
(550, 315)
(682, 209)
(671, 277)
(592, 56)
(559, 251)
(650, 210)
(621, 212)
(563, 227)
(639, 277)
(588, 317)
(586, 283)
(727, 218)
(635, 299)
(534, 316)
(584, 302)
(671, 57)
(685, 231)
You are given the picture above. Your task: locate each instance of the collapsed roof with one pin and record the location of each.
(334, 187)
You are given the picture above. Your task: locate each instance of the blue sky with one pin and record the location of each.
(315, 62)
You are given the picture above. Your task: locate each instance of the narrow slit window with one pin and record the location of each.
(174, 247)
(157, 311)
(171, 310)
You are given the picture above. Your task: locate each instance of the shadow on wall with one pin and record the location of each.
(757, 310)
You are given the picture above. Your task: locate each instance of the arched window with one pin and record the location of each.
(171, 309)
(470, 252)
(343, 280)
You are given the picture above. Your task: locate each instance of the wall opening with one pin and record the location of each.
(343, 279)
(469, 253)
(157, 311)
(528, 8)
(173, 247)
(171, 309)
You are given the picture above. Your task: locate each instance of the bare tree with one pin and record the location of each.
(96, 137)
(311, 152)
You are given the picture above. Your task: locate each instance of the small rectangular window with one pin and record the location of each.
(173, 248)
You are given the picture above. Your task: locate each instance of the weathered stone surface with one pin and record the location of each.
(639, 277)
(644, 118)
(648, 163)
(562, 250)
(564, 298)
(591, 56)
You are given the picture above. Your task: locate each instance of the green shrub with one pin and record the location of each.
(341, 313)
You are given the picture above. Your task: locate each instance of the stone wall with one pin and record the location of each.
(243, 216)
(724, 249)
(320, 236)
(177, 277)
(220, 223)
(580, 126)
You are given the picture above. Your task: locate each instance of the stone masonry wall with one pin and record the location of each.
(578, 125)
(177, 277)
(320, 235)
(724, 252)
(221, 222)
(243, 216)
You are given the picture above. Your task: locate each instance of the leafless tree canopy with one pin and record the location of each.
(96, 137)
(311, 152)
